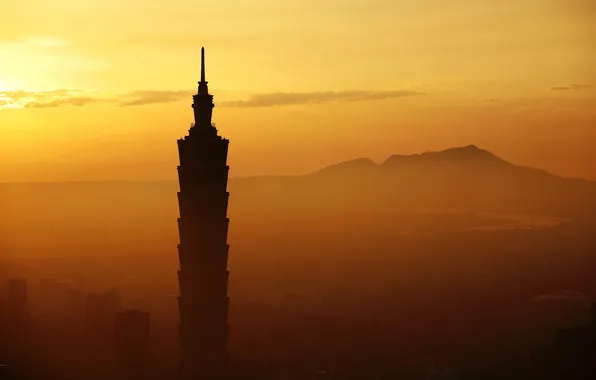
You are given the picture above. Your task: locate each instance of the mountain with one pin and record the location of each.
(355, 196)
(347, 167)
(470, 153)
(416, 222)
(457, 178)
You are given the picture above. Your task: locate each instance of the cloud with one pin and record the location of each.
(140, 98)
(293, 98)
(78, 98)
(46, 99)
(74, 101)
(572, 87)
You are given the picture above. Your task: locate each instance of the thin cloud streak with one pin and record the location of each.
(45, 99)
(141, 98)
(572, 87)
(74, 101)
(290, 98)
(79, 98)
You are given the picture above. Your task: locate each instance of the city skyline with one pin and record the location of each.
(411, 185)
(413, 76)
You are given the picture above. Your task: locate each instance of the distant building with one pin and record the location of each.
(60, 298)
(437, 372)
(102, 304)
(6, 373)
(17, 295)
(132, 335)
(17, 334)
(575, 351)
(100, 310)
(203, 248)
(99, 313)
(17, 303)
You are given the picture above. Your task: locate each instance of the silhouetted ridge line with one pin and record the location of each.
(348, 166)
(470, 153)
(454, 156)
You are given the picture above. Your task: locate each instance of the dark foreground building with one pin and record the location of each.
(203, 248)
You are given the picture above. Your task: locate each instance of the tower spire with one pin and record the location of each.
(202, 64)
(203, 101)
(203, 89)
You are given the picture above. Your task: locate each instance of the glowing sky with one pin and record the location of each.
(100, 89)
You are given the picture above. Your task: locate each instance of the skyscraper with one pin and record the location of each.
(203, 248)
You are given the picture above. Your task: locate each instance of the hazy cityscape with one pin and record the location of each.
(387, 190)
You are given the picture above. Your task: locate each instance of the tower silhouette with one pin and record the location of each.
(203, 249)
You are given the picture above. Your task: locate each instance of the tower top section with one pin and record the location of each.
(202, 103)
(203, 89)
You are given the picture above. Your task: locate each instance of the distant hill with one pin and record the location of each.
(465, 177)
(349, 196)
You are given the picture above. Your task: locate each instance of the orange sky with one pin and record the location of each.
(101, 89)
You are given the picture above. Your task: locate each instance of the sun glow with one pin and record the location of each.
(7, 86)
(6, 100)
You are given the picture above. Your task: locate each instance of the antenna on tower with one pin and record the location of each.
(202, 64)
(203, 83)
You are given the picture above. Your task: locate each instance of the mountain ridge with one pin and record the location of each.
(462, 154)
